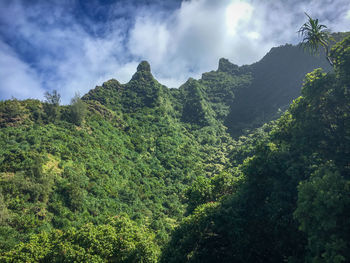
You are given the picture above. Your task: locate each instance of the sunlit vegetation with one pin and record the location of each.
(210, 172)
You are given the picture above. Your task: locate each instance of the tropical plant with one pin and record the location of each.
(315, 35)
(78, 109)
(51, 107)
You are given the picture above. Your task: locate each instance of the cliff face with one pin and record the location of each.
(275, 84)
(250, 95)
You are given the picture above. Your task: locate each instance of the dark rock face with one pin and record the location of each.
(226, 66)
(144, 66)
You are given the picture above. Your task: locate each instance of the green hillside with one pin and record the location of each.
(290, 201)
(215, 171)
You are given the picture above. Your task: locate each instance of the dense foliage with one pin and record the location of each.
(130, 169)
(292, 201)
(118, 240)
(101, 156)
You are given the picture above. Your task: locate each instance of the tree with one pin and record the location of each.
(10, 112)
(315, 35)
(77, 110)
(119, 240)
(3, 210)
(323, 212)
(52, 104)
(53, 98)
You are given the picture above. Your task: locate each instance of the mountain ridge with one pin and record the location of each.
(133, 168)
(242, 97)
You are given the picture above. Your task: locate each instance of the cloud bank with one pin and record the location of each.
(58, 46)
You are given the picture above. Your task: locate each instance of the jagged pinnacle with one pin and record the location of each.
(225, 65)
(144, 66)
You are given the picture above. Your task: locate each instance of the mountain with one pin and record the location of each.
(290, 201)
(131, 154)
(239, 97)
(210, 172)
(254, 94)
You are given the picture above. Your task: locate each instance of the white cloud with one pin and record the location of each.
(17, 78)
(179, 44)
(149, 38)
(236, 13)
(196, 36)
(71, 59)
(193, 38)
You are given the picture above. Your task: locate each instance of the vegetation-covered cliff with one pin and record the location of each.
(138, 172)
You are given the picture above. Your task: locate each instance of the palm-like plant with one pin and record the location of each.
(315, 35)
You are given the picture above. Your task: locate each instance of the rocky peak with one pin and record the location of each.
(226, 66)
(143, 73)
(144, 66)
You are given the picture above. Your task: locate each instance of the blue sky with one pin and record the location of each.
(72, 46)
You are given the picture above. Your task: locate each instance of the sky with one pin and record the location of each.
(73, 45)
